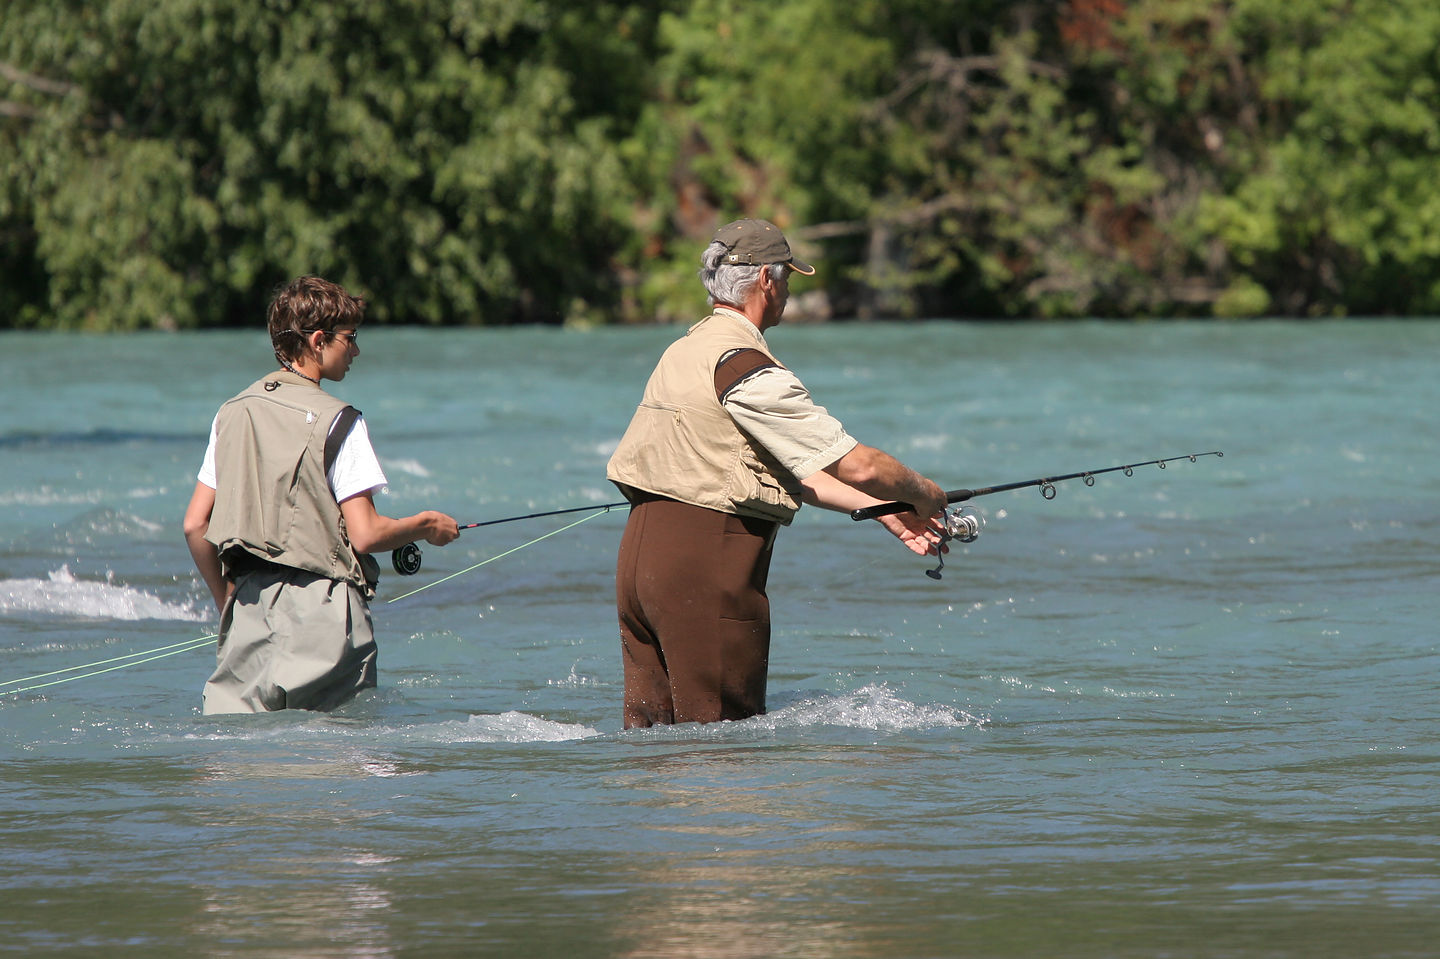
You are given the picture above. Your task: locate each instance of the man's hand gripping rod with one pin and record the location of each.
(1047, 486)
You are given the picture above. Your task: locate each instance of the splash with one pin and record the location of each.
(300, 727)
(873, 707)
(517, 727)
(61, 594)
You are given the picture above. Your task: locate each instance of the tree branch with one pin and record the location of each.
(55, 88)
(9, 108)
(910, 217)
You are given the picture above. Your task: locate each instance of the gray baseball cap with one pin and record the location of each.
(757, 242)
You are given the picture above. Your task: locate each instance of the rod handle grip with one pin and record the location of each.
(888, 509)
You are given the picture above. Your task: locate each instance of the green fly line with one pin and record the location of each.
(174, 649)
(555, 532)
(135, 659)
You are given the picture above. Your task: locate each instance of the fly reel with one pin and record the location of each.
(406, 559)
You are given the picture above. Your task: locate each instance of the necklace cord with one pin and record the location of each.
(292, 369)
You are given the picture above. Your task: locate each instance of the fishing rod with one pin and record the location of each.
(963, 523)
(1047, 486)
(553, 512)
(406, 560)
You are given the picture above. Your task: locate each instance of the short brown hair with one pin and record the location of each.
(306, 304)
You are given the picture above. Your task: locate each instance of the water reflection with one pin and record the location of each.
(743, 866)
(276, 877)
(299, 919)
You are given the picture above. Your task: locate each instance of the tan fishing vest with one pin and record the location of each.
(272, 498)
(683, 445)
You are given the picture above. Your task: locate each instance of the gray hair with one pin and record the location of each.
(731, 282)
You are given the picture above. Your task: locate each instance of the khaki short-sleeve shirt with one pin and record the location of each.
(776, 410)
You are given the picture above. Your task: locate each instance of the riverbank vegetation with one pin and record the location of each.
(165, 163)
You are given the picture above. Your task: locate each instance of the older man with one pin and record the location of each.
(724, 447)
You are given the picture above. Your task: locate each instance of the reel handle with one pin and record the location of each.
(406, 559)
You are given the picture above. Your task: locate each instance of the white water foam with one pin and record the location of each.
(507, 727)
(517, 727)
(63, 595)
(49, 496)
(873, 707)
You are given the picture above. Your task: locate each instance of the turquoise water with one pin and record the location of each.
(1191, 712)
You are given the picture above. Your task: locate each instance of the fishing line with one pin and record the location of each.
(406, 559)
(553, 532)
(159, 653)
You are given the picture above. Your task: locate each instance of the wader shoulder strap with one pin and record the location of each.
(737, 366)
(339, 429)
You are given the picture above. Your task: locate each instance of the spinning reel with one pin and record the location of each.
(962, 524)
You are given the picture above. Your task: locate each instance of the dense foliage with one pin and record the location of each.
(168, 162)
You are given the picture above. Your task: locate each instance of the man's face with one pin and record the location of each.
(779, 295)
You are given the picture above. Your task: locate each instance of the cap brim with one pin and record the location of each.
(800, 266)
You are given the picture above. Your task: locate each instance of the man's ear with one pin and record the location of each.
(314, 339)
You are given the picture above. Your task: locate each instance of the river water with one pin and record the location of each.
(1189, 712)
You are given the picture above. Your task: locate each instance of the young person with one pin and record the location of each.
(283, 519)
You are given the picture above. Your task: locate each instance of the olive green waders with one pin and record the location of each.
(290, 639)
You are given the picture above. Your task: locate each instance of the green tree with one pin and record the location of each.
(947, 159)
(169, 162)
(1339, 212)
(785, 111)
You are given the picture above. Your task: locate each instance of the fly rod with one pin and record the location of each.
(1047, 486)
(552, 512)
(406, 559)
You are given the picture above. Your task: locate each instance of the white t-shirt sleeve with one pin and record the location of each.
(207, 465)
(356, 469)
